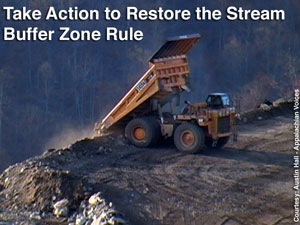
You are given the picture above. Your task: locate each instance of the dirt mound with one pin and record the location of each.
(34, 186)
(38, 183)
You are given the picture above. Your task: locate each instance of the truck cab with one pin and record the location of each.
(218, 100)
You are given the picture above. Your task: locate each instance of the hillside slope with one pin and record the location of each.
(248, 182)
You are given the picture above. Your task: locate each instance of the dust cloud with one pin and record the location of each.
(68, 136)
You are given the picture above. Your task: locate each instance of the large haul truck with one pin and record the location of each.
(147, 112)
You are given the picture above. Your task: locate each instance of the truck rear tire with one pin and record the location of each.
(141, 132)
(220, 144)
(189, 138)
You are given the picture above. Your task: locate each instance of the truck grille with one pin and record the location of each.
(224, 125)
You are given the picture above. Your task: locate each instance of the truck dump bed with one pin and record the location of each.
(167, 76)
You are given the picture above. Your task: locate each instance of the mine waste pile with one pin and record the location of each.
(105, 180)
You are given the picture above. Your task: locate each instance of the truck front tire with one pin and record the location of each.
(189, 138)
(141, 132)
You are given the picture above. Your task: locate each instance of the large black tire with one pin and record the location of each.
(141, 132)
(157, 136)
(220, 143)
(189, 138)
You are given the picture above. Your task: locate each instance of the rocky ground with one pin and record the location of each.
(248, 182)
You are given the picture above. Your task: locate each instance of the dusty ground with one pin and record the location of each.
(249, 182)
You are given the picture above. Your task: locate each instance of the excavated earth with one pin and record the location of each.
(248, 182)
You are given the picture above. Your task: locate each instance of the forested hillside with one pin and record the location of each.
(51, 92)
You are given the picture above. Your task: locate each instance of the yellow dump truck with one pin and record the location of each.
(148, 111)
